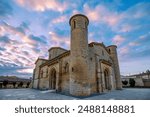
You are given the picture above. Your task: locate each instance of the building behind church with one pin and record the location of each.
(141, 79)
(83, 70)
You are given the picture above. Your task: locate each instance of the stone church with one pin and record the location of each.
(83, 70)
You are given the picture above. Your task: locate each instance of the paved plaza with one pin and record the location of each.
(32, 94)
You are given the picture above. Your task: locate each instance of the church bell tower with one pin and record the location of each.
(79, 78)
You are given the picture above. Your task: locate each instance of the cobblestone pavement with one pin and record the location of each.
(32, 94)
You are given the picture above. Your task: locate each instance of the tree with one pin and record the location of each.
(21, 84)
(28, 85)
(14, 84)
(125, 82)
(132, 82)
(5, 82)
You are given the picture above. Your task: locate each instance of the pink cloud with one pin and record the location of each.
(75, 12)
(15, 55)
(144, 36)
(28, 70)
(42, 5)
(101, 14)
(8, 29)
(123, 50)
(57, 40)
(2, 31)
(134, 44)
(60, 19)
(93, 14)
(137, 11)
(20, 49)
(118, 21)
(118, 39)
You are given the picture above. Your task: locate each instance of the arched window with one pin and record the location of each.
(74, 24)
(85, 25)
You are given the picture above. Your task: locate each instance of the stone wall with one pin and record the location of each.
(97, 54)
(138, 81)
(55, 51)
(62, 75)
(65, 79)
(36, 73)
(92, 71)
(35, 83)
(146, 82)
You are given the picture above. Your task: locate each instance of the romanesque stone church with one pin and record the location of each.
(85, 69)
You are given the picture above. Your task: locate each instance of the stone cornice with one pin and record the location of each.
(106, 62)
(57, 48)
(40, 59)
(56, 59)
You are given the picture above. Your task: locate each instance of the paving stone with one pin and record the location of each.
(32, 94)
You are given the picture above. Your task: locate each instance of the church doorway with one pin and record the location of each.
(53, 79)
(106, 79)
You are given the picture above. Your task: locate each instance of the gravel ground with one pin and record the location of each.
(32, 94)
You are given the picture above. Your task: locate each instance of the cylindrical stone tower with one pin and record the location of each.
(79, 78)
(113, 53)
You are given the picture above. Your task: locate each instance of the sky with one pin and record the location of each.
(28, 28)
